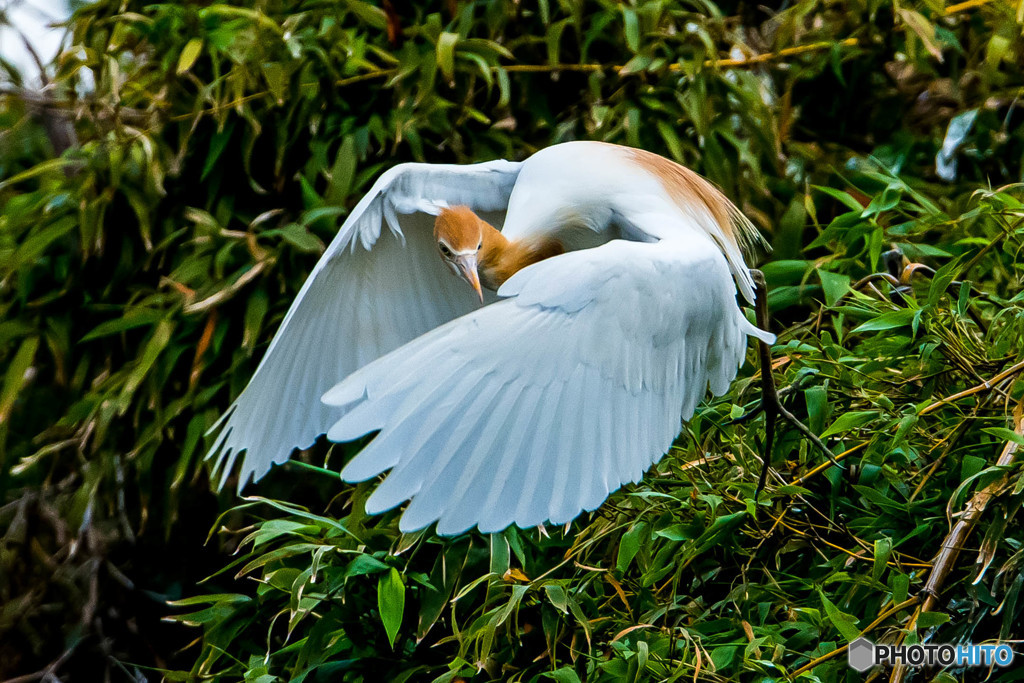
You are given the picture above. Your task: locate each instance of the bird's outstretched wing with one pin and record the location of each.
(372, 291)
(537, 407)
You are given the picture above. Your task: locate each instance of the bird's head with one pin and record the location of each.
(460, 235)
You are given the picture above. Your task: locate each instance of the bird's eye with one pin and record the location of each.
(480, 246)
(444, 249)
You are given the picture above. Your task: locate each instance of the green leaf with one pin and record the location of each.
(343, 172)
(883, 550)
(188, 55)
(843, 197)
(636, 64)
(136, 317)
(391, 603)
(154, 347)
(900, 587)
(834, 285)
(374, 16)
(446, 43)
(930, 619)
(941, 281)
(500, 554)
(1005, 434)
(557, 596)
(218, 142)
(39, 169)
(672, 141)
(845, 623)
(629, 545)
(210, 599)
(917, 251)
(15, 377)
(33, 248)
(299, 237)
(888, 321)
(365, 564)
(875, 241)
(564, 675)
(275, 528)
(880, 499)
(277, 80)
(924, 30)
(850, 421)
(255, 311)
(784, 271)
(632, 28)
(970, 465)
(880, 203)
(325, 522)
(816, 399)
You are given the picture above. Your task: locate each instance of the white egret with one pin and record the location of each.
(616, 273)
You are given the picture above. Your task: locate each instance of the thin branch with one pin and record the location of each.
(785, 52)
(987, 385)
(825, 465)
(963, 6)
(48, 672)
(35, 57)
(710, 63)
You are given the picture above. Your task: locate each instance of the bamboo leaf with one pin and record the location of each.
(136, 317)
(189, 54)
(15, 376)
(158, 341)
(391, 603)
(849, 421)
(845, 623)
(446, 43)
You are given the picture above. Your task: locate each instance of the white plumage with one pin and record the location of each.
(529, 409)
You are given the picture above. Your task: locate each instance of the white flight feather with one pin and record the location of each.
(589, 334)
(370, 292)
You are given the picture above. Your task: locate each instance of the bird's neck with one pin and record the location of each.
(500, 258)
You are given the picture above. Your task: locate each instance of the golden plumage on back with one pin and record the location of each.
(691, 189)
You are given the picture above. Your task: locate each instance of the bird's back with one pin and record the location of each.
(587, 193)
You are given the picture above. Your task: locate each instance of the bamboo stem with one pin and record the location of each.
(989, 384)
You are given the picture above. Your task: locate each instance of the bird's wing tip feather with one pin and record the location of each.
(754, 331)
(344, 393)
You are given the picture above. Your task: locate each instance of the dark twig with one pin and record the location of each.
(35, 58)
(800, 383)
(773, 407)
(49, 671)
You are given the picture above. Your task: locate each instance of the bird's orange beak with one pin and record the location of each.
(467, 265)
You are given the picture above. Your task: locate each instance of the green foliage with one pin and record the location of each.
(146, 260)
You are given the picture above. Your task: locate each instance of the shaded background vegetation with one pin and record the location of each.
(163, 198)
